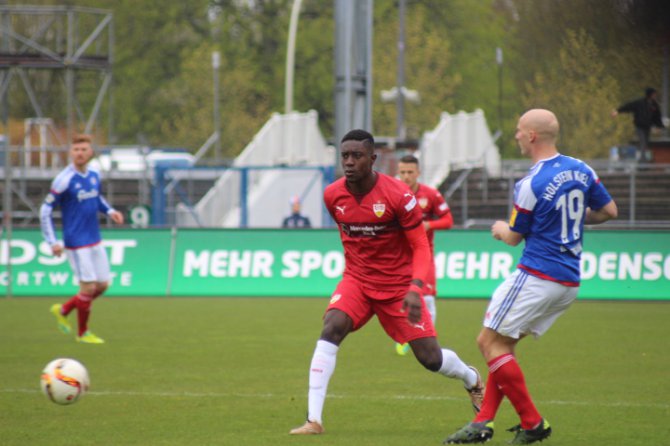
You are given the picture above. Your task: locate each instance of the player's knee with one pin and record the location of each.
(431, 360)
(333, 333)
(491, 344)
(428, 352)
(87, 288)
(336, 326)
(100, 288)
(482, 342)
(433, 364)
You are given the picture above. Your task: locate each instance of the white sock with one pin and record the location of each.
(453, 367)
(430, 305)
(320, 371)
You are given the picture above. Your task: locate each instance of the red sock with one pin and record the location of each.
(83, 311)
(69, 305)
(492, 399)
(512, 384)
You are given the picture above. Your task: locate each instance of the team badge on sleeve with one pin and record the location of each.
(512, 218)
(412, 203)
(50, 198)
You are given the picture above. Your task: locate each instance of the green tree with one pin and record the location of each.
(427, 69)
(162, 90)
(315, 49)
(474, 30)
(580, 91)
(150, 38)
(626, 38)
(190, 117)
(164, 71)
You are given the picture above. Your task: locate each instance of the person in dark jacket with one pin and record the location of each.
(646, 114)
(296, 220)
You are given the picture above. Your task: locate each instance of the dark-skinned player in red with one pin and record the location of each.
(387, 262)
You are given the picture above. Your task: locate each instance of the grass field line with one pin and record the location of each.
(623, 404)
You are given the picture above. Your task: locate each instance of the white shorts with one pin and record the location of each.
(524, 304)
(89, 264)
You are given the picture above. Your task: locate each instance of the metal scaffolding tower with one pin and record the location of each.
(55, 66)
(60, 56)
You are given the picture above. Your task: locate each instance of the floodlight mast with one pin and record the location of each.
(401, 131)
(290, 56)
(353, 69)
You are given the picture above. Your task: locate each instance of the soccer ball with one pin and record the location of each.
(64, 381)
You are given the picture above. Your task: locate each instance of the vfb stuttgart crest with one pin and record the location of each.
(423, 202)
(379, 209)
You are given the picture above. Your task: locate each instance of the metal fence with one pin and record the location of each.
(642, 190)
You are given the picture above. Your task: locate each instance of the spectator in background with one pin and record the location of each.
(646, 114)
(296, 220)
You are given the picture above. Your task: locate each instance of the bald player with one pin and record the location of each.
(551, 205)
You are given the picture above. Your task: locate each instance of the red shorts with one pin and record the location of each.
(361, 303)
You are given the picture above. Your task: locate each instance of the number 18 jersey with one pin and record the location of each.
(549, 210)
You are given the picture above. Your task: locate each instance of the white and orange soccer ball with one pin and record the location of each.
(65, 381)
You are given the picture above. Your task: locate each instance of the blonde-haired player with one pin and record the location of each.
(77, 191)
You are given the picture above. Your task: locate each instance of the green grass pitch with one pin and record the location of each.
(234, 372)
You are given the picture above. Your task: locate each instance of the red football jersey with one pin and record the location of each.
(432, 205)
(376, 251)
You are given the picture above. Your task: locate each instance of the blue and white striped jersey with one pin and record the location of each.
(80, 199)
(549, 210)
